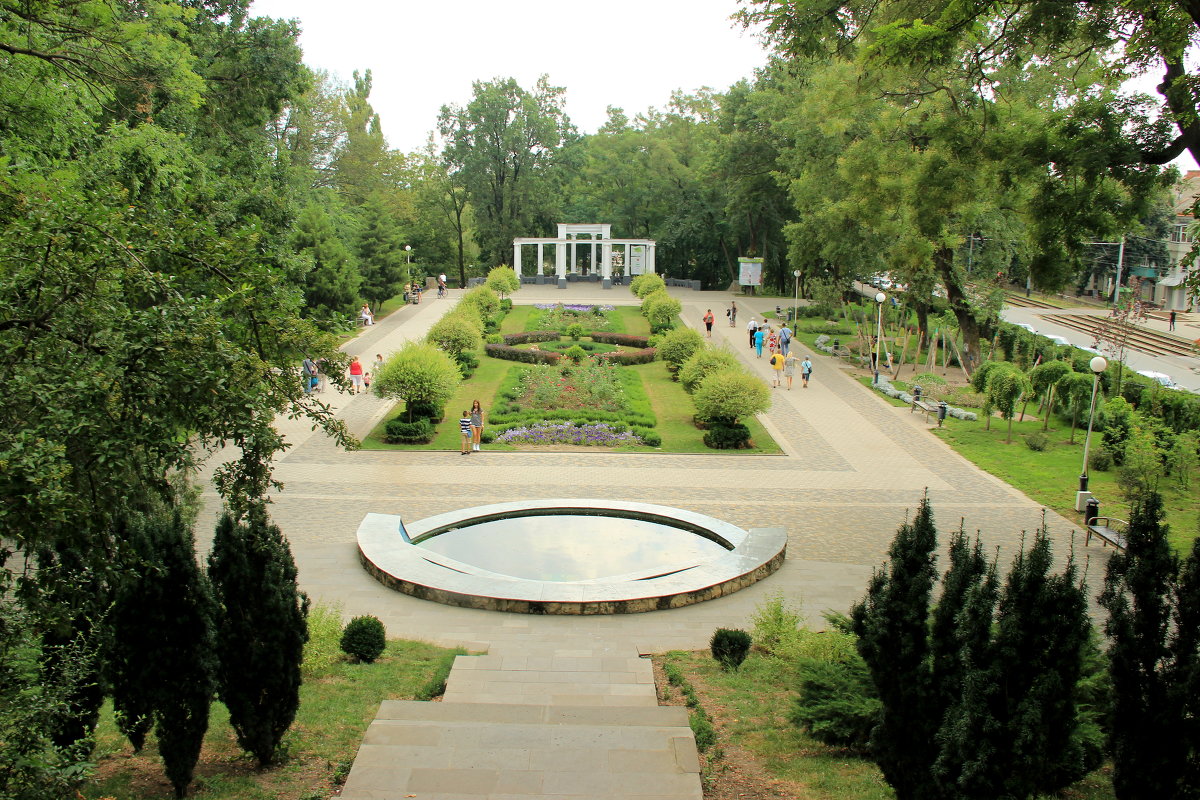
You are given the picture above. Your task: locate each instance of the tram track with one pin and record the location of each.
(1140, 339)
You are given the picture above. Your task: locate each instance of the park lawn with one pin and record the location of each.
(514, 321)
(750, 708)
(335, 709)
(1051, 477)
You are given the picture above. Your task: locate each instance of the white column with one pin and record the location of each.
(539, 257)
(572, 246)
(560, 260)
(650, 258)
(517, 259)
(606, 261)
(592, 263)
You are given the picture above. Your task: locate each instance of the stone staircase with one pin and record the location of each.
(539, 721)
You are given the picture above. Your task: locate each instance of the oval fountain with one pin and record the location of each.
(568, 556)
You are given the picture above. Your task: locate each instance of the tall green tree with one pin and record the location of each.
(261, 629)
(382, 259)
(502, 145)
(332, 280)
(1154, 656)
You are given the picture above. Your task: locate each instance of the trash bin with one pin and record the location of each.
(836, 343)
(1091, 510)
(917, 391)
(943, 410)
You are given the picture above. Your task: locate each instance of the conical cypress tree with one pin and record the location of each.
(892, 625)
(261, 630)
(1184, 673)
(164, 645)
(1148, 731)
(967, 569)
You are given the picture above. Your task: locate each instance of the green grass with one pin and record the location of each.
(750, 707)
(335, 709)
(1051, 477)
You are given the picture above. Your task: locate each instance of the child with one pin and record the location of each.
(367, 379)
(464, 427)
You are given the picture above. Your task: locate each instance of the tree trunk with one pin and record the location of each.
(1049, 410)
(943, 261)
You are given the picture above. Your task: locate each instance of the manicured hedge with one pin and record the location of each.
(644, 356)
(531, 336)
(624, 339)
(524, 356)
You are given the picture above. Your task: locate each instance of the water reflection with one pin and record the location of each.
(573, 548)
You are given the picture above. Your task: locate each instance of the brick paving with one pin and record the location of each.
(854, 467)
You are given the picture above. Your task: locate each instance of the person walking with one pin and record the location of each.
(752, 328)
(465, 428)
(356, 375)
(309, 370)
(732, 314)
(1171, 321)
(476, 425)
(785, 339)
(777, 362)
(789, 368)
(805, 371)
(760, 338)
(772, 340)
(708, 322)
(377, 367)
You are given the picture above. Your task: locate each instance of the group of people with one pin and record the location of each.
(763, 335)
(360, 376)
(471, 427)
(778, 346)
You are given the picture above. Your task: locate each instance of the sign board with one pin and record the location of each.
(750, 271)
(637, 259)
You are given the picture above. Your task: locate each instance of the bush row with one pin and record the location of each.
(624, 339)
(532, 336)
(509, 353)
(628, 358)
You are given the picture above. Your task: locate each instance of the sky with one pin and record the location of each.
(422, 55)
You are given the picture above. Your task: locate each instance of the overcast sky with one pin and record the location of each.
(422, 55)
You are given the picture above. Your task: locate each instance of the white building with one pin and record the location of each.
(587, 251)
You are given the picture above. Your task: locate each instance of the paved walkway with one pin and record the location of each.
(853, 468)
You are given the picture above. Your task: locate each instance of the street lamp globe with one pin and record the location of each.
(1098, 364)
(879, 298)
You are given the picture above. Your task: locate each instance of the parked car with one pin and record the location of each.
(1159, 377)
(1026, 326)
(1061, 341)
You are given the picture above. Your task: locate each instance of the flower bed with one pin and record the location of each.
(559, 317)
(509, 353)
(575, 308)
(596, 434)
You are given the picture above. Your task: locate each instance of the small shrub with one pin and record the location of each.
(364, 639)
(1037, 442)
(702, 729)
(624, 339)
(837, 703)
(628, 358)
(575, 331)
(322, 649)
(493, 338)
(397, 431)
(727, 437)
(649, 438)
(576, 353)
(506, 304)
(730, 647)
(773, 622)
(679, 345)
(1100, 460)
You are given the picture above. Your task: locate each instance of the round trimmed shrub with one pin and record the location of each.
(678, 345)
(1100, 459)
(730, 395)
(722, 436)
(1037, 442)
(364, 639)
(704, 363)
(576, 353)
(397, 431)
(643, 285)
(730, 647)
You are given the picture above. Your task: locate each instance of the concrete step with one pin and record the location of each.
(432, 750)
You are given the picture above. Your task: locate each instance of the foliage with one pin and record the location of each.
(455, 334)
(729, 395)
(482, 301)
(510, 353)
(323, 648)
(727, 436)
(576, 354)
(730, 647)
(1151, 600)
(1037, 441)
(646, 284)
(513, 339)
(678, 345)
(398, 431)
(703, 363)
(1142, 463)
(837, 703)
(1117, 419)
(1184, 457)
(627, 358)
(589, 384)
(596, 434)
(418, 374)
(982, 701)
(162, 662)
(661, 310)
(364, 639)
(570, 318)
(623, 339)
(1100, 459)
(773, 622)
(261, 630)
(503, 281)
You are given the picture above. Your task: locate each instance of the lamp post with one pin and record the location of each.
(1098, 365)
(796, 302)
(879, 298)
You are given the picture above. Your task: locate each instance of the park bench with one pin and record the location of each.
(1109, 530)
(928, 408)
